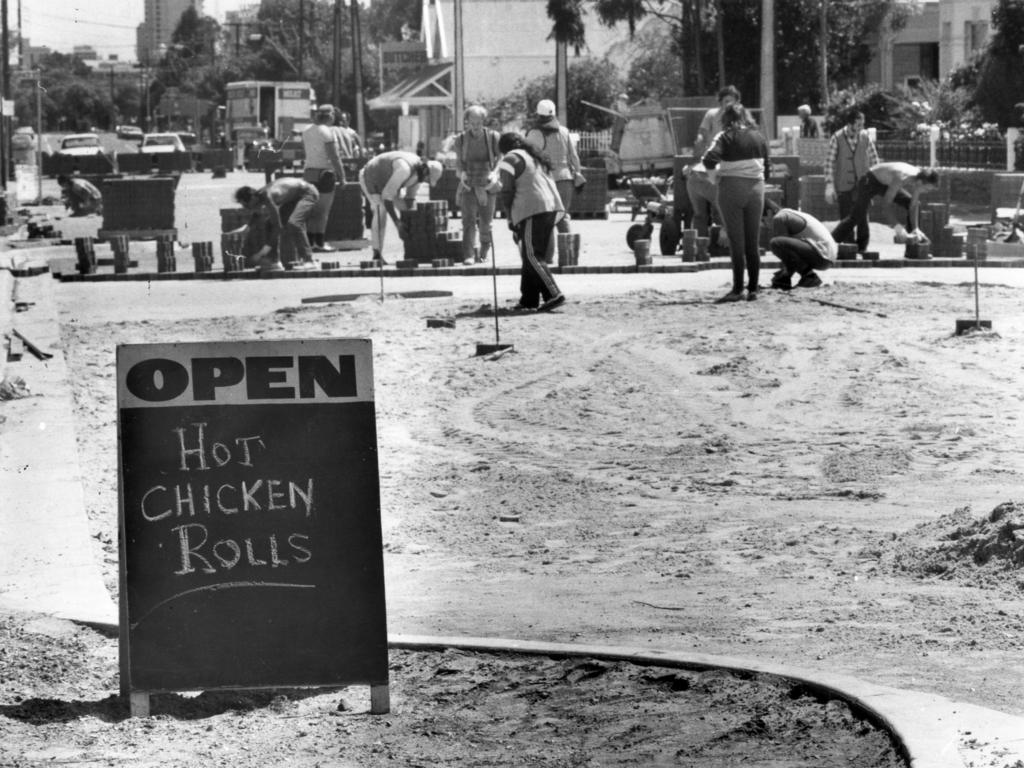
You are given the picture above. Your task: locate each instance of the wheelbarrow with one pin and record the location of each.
(658, 209)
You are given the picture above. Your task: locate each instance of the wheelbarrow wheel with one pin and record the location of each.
(669, 236)
(638, 232)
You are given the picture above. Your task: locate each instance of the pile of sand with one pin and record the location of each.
(983, 552)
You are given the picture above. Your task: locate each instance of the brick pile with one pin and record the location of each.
(429, 239)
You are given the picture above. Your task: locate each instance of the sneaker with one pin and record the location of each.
(751, 295)
(810, 280)
(730, 297)
(552, 303)
(324, 248)
(782, 282)
(520, 307)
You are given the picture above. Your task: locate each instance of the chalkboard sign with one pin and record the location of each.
(250, 516)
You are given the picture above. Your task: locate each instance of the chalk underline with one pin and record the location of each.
(225, 585)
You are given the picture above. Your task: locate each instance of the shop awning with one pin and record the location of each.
(431, 86)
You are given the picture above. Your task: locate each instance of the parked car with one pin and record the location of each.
(129, 132)
(80, 145)
(154, 143)
(189, 140)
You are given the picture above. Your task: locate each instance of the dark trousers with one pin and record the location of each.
(797, 255)
(866, 190)
(741, 202)
(535, 282)
(846, 201)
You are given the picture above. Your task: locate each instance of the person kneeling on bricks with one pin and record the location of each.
(803, 244)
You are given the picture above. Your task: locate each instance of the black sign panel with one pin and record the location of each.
(250, 516)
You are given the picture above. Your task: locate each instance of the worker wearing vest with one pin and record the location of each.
(476, 161)
(553, 139)
(851, 153)
(534, 208)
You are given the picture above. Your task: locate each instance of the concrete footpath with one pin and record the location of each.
(49, 561)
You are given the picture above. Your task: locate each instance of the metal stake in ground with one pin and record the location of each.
(977, 323)
(497, 346)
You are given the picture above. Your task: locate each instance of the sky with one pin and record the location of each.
(107, 25)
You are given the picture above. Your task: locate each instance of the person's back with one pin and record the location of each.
(379, 171)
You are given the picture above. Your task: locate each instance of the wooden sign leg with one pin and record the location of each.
(139, 704)
(380, 699)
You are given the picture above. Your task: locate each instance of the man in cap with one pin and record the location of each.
(323, 170)
(383, 180)
(553, 140)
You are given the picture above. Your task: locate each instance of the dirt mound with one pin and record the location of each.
(982, 552)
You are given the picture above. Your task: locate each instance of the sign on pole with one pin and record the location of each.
(250, 540)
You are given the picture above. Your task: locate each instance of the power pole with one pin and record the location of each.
(459, 79)
(357, 70)
(5, 120)
(824, 53)
(768, 68)
(561, 81)
(336, 62)
(302, 33)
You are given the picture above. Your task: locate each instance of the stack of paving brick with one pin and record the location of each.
(166, 261)
(812, 199)
(429, 239)
(119, 245)
(138, 204)
(345, 221)
(592, 201)
(202, 253)
(977, 242)
(231, 251)
(447, 189)
(934, 222)
(85, 250)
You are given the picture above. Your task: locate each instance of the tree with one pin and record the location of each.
(714, 36)
(1000, 87)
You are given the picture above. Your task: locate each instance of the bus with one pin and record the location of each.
(277, 107)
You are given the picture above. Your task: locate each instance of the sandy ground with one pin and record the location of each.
(784, 480)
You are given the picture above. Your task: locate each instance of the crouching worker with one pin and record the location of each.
(80, 196)
(803, 244)
(287, 204)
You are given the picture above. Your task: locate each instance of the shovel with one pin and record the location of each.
(1015, 236)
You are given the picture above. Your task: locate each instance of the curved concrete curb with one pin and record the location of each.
(927, 727)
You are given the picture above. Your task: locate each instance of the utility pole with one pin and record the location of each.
(561, 80)
(459, 84)
(5, 120)
(823, 31)
(357, 69)
(768, 68)
(302, 33)
(336, 61)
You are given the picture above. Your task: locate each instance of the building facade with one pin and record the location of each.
(154, 33)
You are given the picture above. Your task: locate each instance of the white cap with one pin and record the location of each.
(804, 109)
(546, 108)
(435, 170)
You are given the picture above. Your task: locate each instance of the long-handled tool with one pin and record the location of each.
(497, 346)
(1015, 236)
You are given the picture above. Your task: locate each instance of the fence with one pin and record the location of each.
(594, 141)
(949, 153)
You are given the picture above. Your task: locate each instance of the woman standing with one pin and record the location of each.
(739, 161)
(534, 208)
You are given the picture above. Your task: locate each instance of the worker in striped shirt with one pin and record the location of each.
(534, 208)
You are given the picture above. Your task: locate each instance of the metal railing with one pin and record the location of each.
(594, 141)
(949, 153)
